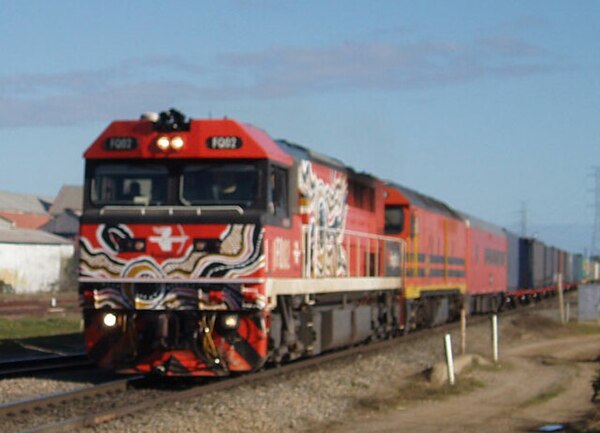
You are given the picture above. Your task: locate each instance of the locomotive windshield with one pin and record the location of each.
(227, 184)
(197, 184)
(129, 184)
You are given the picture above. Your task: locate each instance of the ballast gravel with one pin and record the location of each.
(23, 388)
(312, 399)
(306, 400)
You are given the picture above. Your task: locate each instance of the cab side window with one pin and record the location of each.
(394, 219)
(279, 192)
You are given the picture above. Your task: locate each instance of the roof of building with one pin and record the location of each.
(66, 223)
(27, 203)
(6, 222)
(69, 197)
(27, 236)
(24, 220)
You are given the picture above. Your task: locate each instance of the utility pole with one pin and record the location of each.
(523, 213)
(595, 248)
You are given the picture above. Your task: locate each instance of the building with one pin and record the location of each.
(5, 223)
(25, 211)
(38, 238)
(65, 212)
(34, 261)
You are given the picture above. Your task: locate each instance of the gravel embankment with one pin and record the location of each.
(313, 399)
(303, 401)
(23, 388)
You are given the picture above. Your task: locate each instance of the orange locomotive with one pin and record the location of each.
(436, 237)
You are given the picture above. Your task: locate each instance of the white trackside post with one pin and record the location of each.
(561, 302)
(463, 326)
(449, 358)
(495, 337)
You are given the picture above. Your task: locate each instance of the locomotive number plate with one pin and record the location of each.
(224, 143)
(120, 143)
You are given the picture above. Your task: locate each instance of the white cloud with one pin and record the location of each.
(137, 84)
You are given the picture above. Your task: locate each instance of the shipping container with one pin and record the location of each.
(532, 263)
(549, 266)
(512, 260)
(568, 269)
(582, 265)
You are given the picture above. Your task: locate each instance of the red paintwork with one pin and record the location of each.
(256, 143)
(483, 276)
(255, 336)
(281, 244)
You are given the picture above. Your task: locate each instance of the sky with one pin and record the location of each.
(483, 104)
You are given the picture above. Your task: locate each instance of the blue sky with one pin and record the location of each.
(484, 104)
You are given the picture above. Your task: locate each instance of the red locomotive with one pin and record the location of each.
(208, 248)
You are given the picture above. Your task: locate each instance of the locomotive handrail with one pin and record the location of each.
(205, 280)
(143, 210)
(332, 252)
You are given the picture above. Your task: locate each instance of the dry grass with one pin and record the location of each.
(417, 388)
(588, 424)
(546, 395)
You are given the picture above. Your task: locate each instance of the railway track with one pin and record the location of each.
(95, 417)
(29, 405)
(41, 364)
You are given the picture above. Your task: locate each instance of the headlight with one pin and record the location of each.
(163, 143)
(109, 320)
(230, 321)
(177, 143)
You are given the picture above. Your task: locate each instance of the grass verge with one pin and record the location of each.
(548, 394)
(584, 328)
(27, 326)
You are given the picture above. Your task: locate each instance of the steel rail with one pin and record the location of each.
(28, 405)
(38, 364)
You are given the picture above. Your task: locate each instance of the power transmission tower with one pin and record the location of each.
(595, 248)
